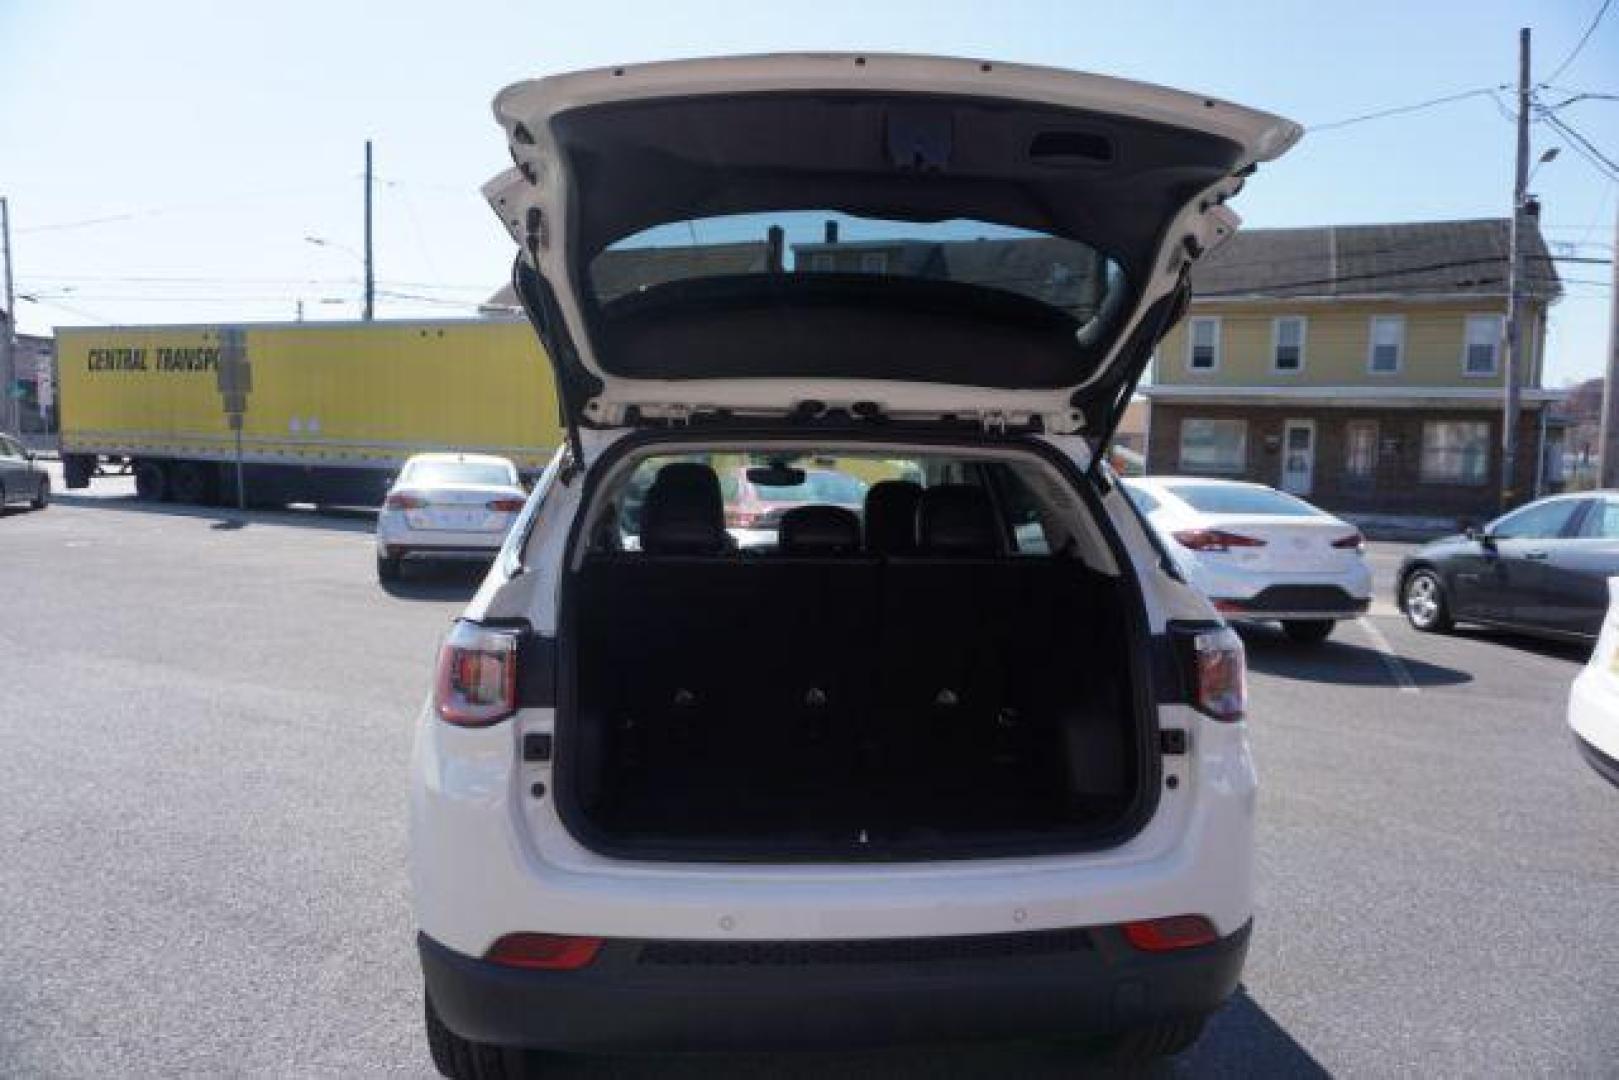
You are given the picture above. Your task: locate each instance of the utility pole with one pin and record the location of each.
(8, 341)
(1610, 394)
(371, 279)
(1515, 282)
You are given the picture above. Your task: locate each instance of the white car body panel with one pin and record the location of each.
(1593, 703)
(487, 859)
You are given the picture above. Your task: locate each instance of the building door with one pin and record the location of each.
(1298, 456)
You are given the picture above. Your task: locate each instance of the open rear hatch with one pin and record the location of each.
(864, 238)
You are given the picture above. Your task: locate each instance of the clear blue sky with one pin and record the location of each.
(206, 146)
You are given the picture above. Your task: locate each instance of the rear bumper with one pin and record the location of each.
(674, 996)
(1294, 602)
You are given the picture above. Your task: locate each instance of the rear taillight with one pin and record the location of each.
(737, 518)
(1353, 542)
(477, 675)
(1169, 934)
(404, 502)
(1215, 540)
(1215, 665)
(544, 952)
(505, 506)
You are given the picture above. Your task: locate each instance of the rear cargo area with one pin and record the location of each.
(839, 704)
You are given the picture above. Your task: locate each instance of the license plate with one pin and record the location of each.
(447, 519)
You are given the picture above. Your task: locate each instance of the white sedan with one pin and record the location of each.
(1593, 703)
(1259, 554)
(447, 506)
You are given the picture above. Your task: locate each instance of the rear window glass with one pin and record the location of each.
(1234, 499)
(1061, 273)
(458, 472)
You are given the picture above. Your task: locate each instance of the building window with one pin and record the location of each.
(1203, 343)
(1213, 446)
(874, 262)
(1455, 452)
(1388, 344)
(1481, 354)
(1360, 449)
(823, 262)
(1287, 343)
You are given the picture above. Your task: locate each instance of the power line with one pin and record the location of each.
(1400, 110)
(1607, 164)
(1589, 30)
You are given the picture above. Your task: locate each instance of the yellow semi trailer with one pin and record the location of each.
(331, 409)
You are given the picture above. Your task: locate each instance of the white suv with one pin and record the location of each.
(966, 760)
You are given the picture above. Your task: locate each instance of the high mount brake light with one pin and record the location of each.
(477, 676)
(1215, 540)
(1353, 542)
(1215, 665)
(404, 502)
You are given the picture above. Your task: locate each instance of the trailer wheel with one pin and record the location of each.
(151, 481)
(191, 483)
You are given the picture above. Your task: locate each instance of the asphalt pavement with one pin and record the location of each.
(204, 736)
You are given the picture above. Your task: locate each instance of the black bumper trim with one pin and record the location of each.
(626, 1001)
(1295, 600)
(1606, 767)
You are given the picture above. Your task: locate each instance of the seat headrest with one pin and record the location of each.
(683, 513)
(891, 517)
(818, 530)
(957, 519)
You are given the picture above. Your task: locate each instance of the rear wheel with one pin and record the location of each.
(1307, 631)
(389, 568)
(42, 494)
(462, 1059)
(1422, 598)
(151, 481)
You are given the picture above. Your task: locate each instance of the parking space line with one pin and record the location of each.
(1391, 659)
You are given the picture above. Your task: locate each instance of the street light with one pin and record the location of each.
(1547, 155)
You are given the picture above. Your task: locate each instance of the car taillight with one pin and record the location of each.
(1215, 664)
(1353, 542)
(544, 952)
(1215, 540)
(505, 506)
(737, 518)
(1169, 934)
(404, 502)
(477, 675)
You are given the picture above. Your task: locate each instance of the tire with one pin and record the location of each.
(389, 568)
(460, 1059)
(1422, 598)
(192, 483)
(151, 481)
(42, 496)
(1141, 1046)
(1307, 631)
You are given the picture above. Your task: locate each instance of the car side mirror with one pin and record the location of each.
(1480, 535)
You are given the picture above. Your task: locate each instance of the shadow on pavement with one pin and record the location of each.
(438, 581)
(333, 518)
(1241, 1040)
(1577, 651)
(1337, 661)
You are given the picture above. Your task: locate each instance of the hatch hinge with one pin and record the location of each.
(994, 423)
(678, 414)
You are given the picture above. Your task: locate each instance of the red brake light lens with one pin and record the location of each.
(404, 502)
(1215, 540)
(506, 506)
(544, 952)
(1353, 542)
(1169, 934)
(1216, 672)
(737, 518)
(477, 676)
